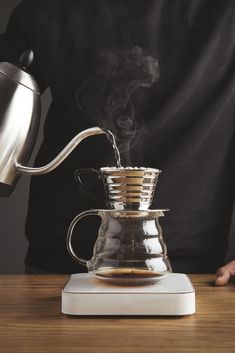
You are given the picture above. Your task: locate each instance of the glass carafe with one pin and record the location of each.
(129, 249)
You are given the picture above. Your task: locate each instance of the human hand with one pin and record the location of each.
(224, 273)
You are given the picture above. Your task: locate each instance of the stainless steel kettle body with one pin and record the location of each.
(19, 122)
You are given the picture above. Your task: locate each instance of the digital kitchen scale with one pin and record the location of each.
(86, 295)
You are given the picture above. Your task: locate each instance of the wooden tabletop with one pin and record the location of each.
(31, 322)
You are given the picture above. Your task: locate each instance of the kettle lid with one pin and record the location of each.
(18, 73)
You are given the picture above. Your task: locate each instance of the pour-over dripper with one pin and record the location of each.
(129, 188)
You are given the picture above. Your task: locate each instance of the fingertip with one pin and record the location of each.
(221, 281)
(222, 277)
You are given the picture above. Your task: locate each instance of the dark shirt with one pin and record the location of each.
(189, 119)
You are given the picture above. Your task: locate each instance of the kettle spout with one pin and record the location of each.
(62, 155)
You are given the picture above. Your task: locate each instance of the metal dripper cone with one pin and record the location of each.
(129, 188)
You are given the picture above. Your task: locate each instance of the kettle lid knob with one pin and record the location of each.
(19, 73)
(26, 59)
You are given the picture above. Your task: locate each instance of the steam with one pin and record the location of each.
(115, 92)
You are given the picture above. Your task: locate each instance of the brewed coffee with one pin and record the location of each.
(129, 276)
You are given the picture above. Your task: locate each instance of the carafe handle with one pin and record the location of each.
(70, 234)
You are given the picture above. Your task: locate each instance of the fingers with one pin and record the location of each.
(224, 273)
(223, 276)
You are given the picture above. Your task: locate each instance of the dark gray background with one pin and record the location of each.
(13, 210)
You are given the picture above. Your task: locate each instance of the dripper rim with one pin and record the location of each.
(133, 213)
(137, 212)
(145, 169)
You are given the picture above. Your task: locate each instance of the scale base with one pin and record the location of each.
(86, 295)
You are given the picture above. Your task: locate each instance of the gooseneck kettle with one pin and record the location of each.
(19, 123)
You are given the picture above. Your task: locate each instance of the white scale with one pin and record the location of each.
(86, 295)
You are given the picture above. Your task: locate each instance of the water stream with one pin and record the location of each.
(112, 139)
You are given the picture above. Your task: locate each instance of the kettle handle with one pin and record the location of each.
(70, 234)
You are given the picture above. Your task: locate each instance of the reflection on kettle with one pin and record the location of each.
(19, 123)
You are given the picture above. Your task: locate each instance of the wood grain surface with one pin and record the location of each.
(31, 322)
